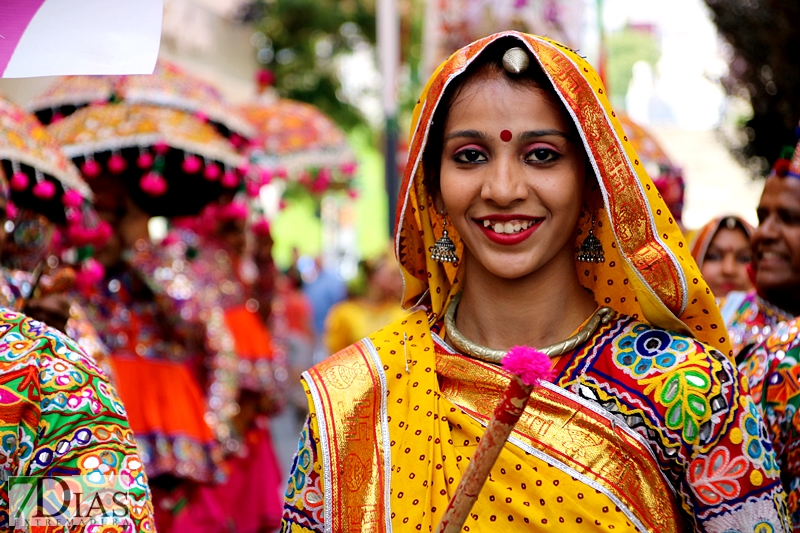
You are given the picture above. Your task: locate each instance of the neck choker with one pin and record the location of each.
(602, 316)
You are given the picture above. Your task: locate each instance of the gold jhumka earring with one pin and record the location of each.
(591, 250)
(444, 250)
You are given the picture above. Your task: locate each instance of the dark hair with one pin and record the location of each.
(488, 65)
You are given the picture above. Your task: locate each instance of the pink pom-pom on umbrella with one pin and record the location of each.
(90, 168)
(101, 233)
(266, 177)
(212, 172)
(72, 198)
(261, 228)
(145, 160)
(153, 184)
(19, 181)
(117, 164)
(529, 364)
(230, 179)
(348, 169)
(44, 190)
(90, 274)
(11, 211)
(161, 147)
(233, 211)
(191, 164)
(253, 188)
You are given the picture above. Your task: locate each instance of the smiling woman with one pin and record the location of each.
(564, 245)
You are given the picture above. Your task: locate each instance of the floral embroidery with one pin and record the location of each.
(60, 421)
(644, 351)
(714, 478)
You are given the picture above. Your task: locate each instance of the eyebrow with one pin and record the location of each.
(468, 134)
(526, 135)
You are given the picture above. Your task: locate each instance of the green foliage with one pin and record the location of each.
(300, 40)
(764, 69)
(625, 48)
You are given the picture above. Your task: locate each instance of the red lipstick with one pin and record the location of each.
(508, 239)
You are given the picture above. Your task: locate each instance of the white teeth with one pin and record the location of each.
(511, 227)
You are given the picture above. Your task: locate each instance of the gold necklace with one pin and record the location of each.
(603, 315)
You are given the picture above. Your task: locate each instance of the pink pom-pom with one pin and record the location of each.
(145, 160)
(90, 168)
(161, 147)
(230, 179)
(74, 216)
(11, 211)
(212, 172)
(261, 228)
(19, 181)
(90, 274)
(153, 184)
(348, 169)
(101, 233)
(72, 198)
(266, 177)
(529, 364)
(191, 164)
(233, 211)
(253, 188)
(237, 140)
(117, 164)
(44, 190)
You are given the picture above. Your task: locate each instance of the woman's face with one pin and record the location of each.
(725, 264)
(512, 178)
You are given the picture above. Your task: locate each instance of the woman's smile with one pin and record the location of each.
(511, 177)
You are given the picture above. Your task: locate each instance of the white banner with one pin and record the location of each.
(64, 37)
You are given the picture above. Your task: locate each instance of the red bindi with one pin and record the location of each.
(505, 135)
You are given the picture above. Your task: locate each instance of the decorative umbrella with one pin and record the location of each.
(173, 162)
(70, 93)
(169, 86)
(41, 177)
(296, 140)
(667, 177)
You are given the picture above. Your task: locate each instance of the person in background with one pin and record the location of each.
(753, 315)
(324, 288)
(722, 251)
(374, 304)
(772, 366)
(40, 369)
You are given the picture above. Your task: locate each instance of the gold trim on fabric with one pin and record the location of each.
(582, 439)
(350, 389)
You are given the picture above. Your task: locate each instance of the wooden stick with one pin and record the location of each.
(505, 417)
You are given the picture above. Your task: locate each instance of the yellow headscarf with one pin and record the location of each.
(648, 271)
